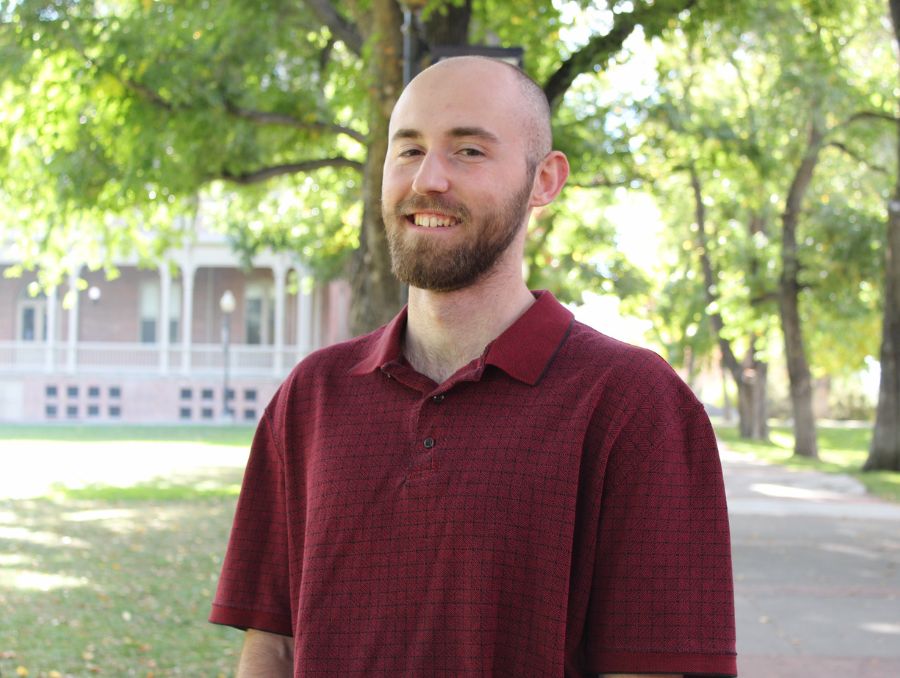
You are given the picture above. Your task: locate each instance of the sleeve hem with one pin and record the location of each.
(603, 661)
(250, 619)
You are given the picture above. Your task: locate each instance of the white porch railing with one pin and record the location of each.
(145, 359)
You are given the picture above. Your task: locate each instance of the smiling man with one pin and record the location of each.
(484, 486)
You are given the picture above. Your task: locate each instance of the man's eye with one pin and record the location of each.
(409, 152)
(471, 152)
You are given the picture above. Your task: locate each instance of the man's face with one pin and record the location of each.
(456, 187)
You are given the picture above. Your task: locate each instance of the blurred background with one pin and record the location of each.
(189, 204)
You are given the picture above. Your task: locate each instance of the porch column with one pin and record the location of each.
(50, 350)
(165, 302)
(304, 313)
(279, 271)
(187, 314)
(72, 344)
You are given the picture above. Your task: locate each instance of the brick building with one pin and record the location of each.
(150, 345)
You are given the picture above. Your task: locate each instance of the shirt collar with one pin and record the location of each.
(524, 350)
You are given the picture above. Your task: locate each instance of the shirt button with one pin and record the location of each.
(429, 443)
(438, 398)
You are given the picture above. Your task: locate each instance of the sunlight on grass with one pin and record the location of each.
(841, 450)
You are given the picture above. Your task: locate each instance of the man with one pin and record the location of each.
(483, 486)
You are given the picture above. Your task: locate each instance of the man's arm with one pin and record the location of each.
(266, 655)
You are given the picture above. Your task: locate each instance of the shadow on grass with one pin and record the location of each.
(117, 580)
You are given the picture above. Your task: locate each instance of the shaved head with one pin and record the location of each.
(535, 108)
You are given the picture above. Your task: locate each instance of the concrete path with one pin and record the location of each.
(817, 574)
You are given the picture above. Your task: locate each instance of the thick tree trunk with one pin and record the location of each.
(753, 411)
(805, 444)
(376, 296)
(884, 452)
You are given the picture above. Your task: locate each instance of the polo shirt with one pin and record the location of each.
(556, 507)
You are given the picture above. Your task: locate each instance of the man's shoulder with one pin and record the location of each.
(342, 356)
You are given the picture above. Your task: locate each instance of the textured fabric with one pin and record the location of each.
(554, 508)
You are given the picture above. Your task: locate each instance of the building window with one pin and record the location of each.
(184, 413)
(93, 410)
(259, 314)
(93, 392)
(72, 391)
(115, 411)
(32, 319)
(207, 413)
(115, 392)
(72, 411)
(51, 411)
(250, 395)
(186, 394)
(51, 391)
(207, 394)
(229, 394)
(149, 308)
(249, 415)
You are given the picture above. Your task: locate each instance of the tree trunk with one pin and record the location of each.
(805, 444)
(884, 452)
(376, 295)
(753, 411)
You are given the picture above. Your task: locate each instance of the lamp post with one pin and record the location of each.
(411, 9)
(226, 305)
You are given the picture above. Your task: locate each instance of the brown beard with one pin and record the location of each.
(428, 265)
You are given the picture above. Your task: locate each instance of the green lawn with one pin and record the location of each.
(842, 449)
(117, 581)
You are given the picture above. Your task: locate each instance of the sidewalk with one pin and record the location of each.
(817, 574)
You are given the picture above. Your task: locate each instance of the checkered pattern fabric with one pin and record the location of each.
(554, 508)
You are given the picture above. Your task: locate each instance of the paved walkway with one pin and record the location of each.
(817, 574)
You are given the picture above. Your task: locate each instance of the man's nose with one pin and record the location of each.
(431, 177)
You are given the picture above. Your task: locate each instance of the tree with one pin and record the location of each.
(884, 452)
(133, 109)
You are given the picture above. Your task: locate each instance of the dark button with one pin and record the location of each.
(438, 398)
(429, 443)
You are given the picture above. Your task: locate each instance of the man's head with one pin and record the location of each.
(469, 156)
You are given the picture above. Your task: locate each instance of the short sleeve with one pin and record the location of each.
(254, 587)
(662, 595)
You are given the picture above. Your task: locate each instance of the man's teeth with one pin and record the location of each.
(433, 221)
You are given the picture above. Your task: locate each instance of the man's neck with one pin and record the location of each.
(447, 330)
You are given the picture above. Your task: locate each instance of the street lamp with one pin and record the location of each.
(226, 305)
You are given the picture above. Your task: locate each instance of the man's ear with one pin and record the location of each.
(549, 178)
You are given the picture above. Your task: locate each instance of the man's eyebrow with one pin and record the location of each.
(456, 132)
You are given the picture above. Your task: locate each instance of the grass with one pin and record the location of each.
(117, 581)
(842, 449)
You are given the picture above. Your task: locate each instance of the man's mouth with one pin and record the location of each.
(432, 220)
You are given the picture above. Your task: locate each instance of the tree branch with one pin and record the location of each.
(268, 118)
(260, 175)
(599, 49)
(342, 29)
(869, 115)
(842, 147)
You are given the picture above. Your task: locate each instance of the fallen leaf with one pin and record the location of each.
(21, 671)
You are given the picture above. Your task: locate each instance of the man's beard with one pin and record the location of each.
(429, 264)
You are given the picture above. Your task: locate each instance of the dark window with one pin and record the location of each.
(51, 411)
(207, 413)
(94, 392)
(207, 394)
(148, 330)
(51, 391)
(186, 394)
(184, 413)
(28, 323)
(229, 394)
(115, 392)
(93, 410)
(253, 321)
(250, 395)
(115, 411)
(72, 391)
(72, 411)
(250, 415)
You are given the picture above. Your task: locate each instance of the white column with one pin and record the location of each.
(187, 314)
(304, 313)
(72, 344)
(50, 351)
(162, 324)
(279, 273)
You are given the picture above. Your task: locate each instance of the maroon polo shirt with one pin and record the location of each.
(556, 507)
